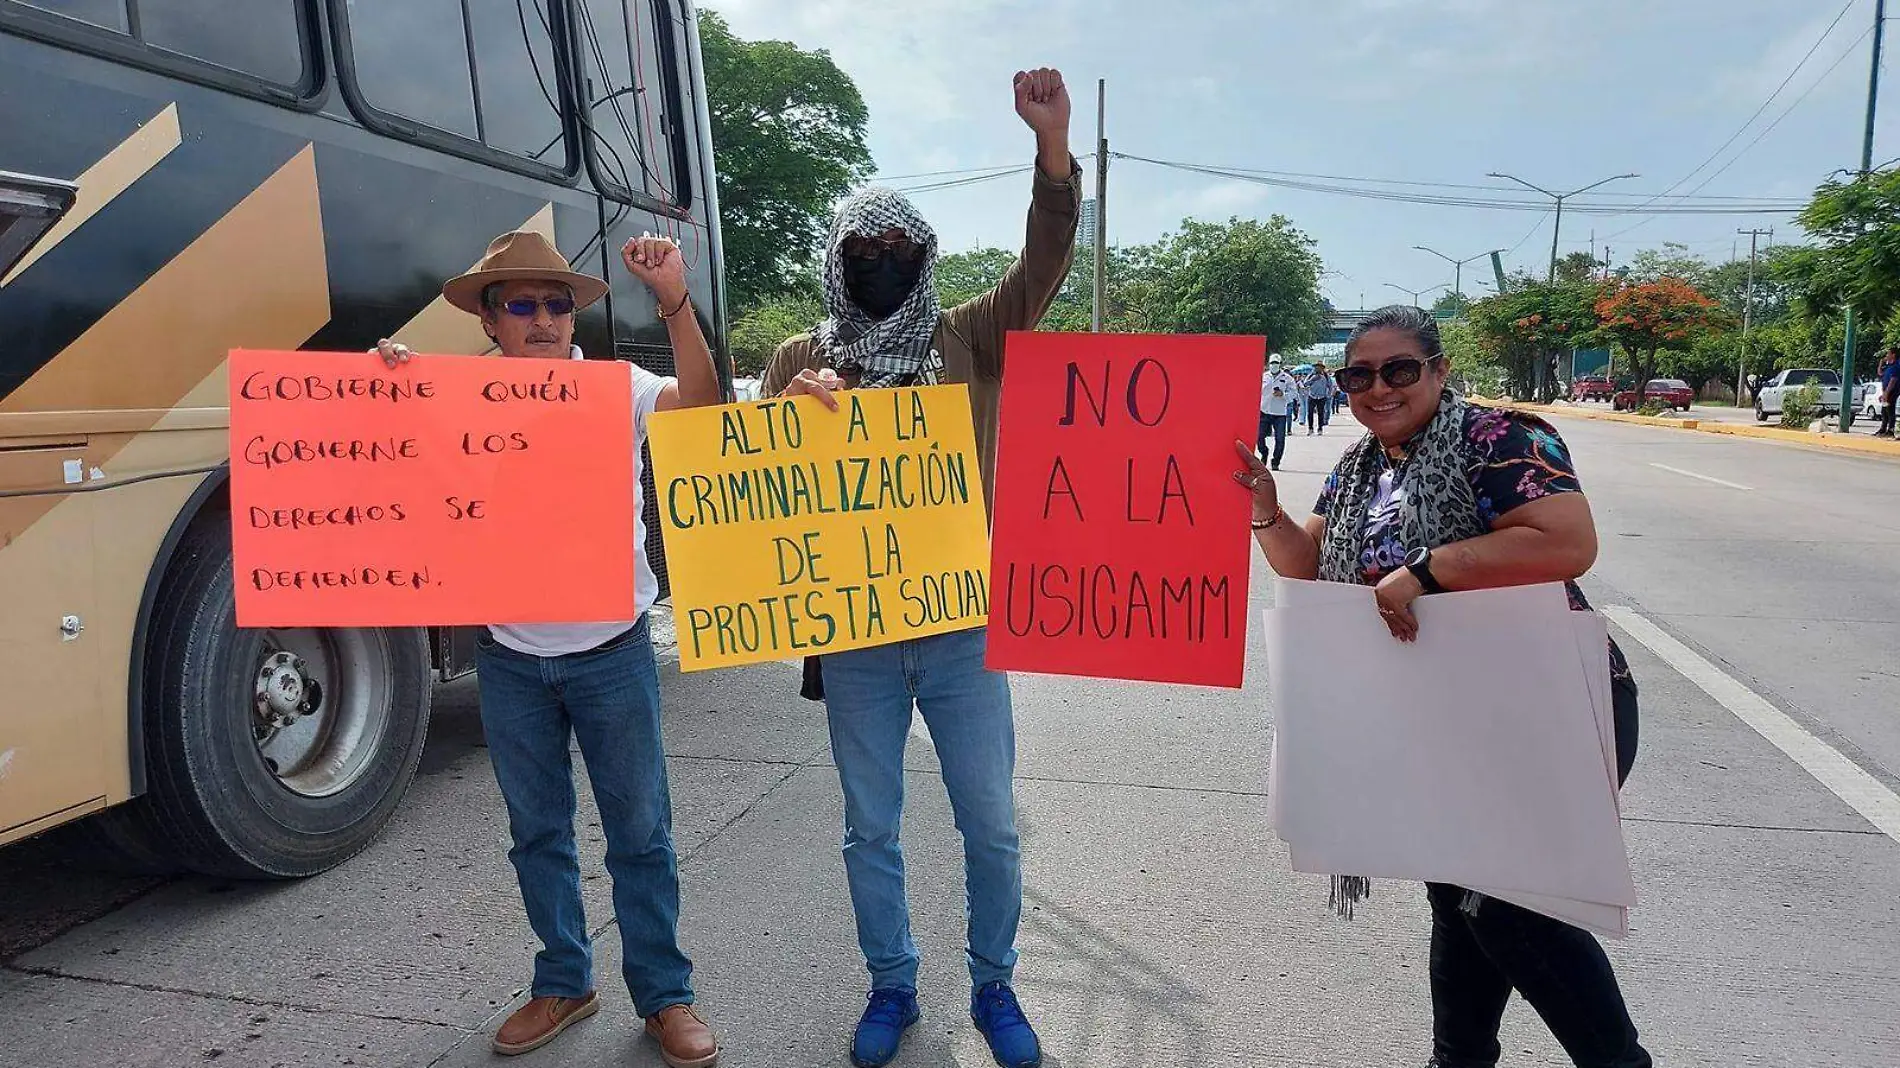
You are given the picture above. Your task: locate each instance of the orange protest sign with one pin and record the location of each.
(454, 490)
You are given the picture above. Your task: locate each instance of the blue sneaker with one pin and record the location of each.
(881, 1028)
(995, 1012)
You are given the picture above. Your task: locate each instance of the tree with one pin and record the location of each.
(757, 331)
(1531, 325)
(1856, 263)
(1578, 269)
(1450, 305)
(1650, 317)
(1474, 362)
(1671, 261)
(788, 127)
(1242, 276)
(962, 275)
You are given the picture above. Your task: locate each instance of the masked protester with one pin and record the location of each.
(884, 328)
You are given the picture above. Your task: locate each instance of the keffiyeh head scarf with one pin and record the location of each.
(895, 350)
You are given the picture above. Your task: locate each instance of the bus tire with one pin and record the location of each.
(216, 800)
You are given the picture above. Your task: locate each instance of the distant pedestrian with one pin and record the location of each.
(1319, 394)
(1889, 390)
(1277, 390)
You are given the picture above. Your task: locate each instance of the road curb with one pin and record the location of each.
(1837, 442)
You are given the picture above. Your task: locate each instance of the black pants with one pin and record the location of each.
(1319, 412)
(1886, 418)
(1480, 954)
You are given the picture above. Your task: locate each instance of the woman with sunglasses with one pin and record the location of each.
(1444, 495)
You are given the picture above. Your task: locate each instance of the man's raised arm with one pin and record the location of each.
(1030, 285)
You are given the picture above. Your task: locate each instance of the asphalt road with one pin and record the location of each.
(1162, 925)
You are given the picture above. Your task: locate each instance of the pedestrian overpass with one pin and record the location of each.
(1338, 324)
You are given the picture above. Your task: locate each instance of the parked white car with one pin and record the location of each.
(1870, 399)
(1768, 396)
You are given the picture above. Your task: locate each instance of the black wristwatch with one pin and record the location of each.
(1419, 563)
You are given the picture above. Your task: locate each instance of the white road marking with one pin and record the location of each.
(1843, 778)
(6, 762)
(1705, 478)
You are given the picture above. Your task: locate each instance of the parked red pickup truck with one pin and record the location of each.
(1668, 392)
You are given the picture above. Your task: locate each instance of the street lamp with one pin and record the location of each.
(1559, 198)
(1458, 272)
(1415, 294)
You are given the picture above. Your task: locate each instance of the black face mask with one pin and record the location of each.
(879, 286)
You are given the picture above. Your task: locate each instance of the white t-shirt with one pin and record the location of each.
(1272, 380)
(559, 639)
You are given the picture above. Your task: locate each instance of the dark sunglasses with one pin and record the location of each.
(525, 307)
(860, 247)
(1400, 373)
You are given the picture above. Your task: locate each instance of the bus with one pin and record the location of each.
(179, 178)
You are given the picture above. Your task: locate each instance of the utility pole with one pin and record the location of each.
(1101, 201)
(1748, 312)
(1866, 167)
(1557, 227)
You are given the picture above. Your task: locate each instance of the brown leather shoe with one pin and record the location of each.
(535, 1024)
(685, 1040)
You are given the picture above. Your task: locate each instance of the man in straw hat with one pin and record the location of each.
(597, 682)
(884, 328)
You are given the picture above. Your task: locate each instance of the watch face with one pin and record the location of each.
(1416, 557)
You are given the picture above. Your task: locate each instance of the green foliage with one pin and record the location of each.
(1238, 277)
(1450, 306)
(1800, 408)
(963, 275)
(757, 332)
(1473, 362)
(1578, 269)
(1242, 276)
(1531, 324)
(1857, 262)
(788, 130)
(1651, 408)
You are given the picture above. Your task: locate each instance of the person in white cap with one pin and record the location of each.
(1277, 392)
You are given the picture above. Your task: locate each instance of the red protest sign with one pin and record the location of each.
(1119, 545)
(454, 490)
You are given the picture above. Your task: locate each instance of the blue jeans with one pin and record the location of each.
(869, 694)
(608, 699)
(1272, 426)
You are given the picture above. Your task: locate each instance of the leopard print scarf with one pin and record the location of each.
(1437, 508)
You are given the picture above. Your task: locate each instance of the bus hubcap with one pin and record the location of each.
(321, 706)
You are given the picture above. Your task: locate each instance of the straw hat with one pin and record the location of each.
(517, 256)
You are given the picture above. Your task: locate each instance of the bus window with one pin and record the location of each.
(413, 60)
(630, 118)
(516, 79)
(261, 38)
(107, 13)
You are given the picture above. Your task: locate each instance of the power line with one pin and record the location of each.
(1753, 206)
(1770, 128)
(1743, 128)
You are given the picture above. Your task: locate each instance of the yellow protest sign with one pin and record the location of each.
(792, 529)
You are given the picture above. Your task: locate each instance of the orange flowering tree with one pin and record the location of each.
(1647, 318)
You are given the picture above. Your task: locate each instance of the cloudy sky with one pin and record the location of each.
(1557, 92)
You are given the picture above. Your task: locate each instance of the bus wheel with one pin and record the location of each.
(271, 753)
